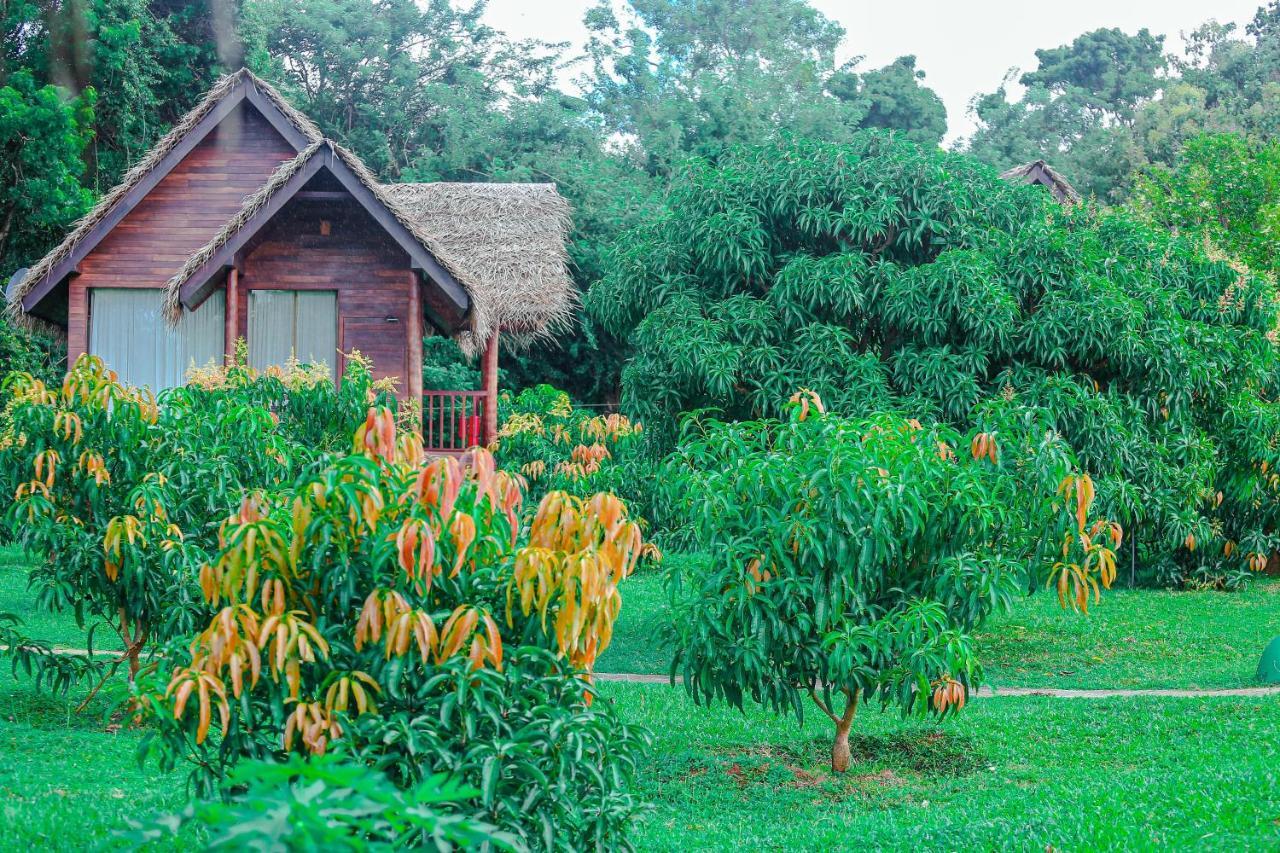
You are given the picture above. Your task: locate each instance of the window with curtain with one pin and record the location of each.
(128, 331)
(298, 323)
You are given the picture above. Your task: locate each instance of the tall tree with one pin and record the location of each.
(405, 85)
(1104, 69)
(1076, 111)
(897, 99)
(42, 139)
(680, 78)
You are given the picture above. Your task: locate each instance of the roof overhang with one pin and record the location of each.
(243, 91)
(202, 281)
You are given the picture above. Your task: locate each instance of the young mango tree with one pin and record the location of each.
(120, 496)
(394, 608)
(849, 558)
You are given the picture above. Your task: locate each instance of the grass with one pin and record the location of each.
(1008, 773)
(68, 780)
(1132, 638)
(56, 629)
(1017, 773)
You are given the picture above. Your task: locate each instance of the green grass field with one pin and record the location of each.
(1132, 638)
(1008, 773)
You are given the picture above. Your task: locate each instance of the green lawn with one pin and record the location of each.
(1016, 772)
(1132, 638)
(1008, 773)
(57, 629)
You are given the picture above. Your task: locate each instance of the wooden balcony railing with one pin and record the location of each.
(452, 421)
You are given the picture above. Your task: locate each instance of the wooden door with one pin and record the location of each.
(384, 340)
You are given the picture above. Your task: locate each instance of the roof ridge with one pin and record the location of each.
(138, 172)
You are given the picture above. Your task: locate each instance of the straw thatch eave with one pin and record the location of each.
(1040, 172)
(245, 85)
(506, 244)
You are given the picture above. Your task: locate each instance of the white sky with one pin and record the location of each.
(964, 47)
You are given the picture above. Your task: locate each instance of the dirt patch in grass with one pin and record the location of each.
(930, 753)
(880, 763)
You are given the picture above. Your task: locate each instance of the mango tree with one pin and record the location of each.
(849, 558)
(394, 607)
(885, 275)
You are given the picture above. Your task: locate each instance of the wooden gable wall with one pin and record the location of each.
(377, 291)
(182, 213)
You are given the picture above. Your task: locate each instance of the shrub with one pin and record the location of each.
(121, 495)
(556, 446)
(327, 803)
(397, 604)
(886, 276)
(849, 558)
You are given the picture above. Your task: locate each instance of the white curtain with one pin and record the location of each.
(127, 330)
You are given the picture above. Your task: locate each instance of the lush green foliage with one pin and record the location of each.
(327, 804)
(42, 138)
(1222, 189)
(122, 496)
(399, 605)
(882, 275)
(556, 446)
(855, 557)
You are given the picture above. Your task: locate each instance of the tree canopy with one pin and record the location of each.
(883, 275)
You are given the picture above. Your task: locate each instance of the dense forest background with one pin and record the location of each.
(427, 91)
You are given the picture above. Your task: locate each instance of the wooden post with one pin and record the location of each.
(489, 376)
(414, 331)
(232, 324)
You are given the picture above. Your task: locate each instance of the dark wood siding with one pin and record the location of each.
(181, 214)
(358, 260)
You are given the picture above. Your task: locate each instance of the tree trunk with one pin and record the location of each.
(840, 749)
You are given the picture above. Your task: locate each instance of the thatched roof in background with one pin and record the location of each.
(141, 169)
(1040, 172)
(502, 243)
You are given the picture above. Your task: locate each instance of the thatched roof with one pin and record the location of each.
(1040, 172)
(142, 168)
(504, 244)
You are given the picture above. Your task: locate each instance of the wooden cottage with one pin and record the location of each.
(245, 222)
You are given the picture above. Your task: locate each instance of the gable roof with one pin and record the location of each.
(1040, 172)
(217, 103)
(198, 277)
(495, 251)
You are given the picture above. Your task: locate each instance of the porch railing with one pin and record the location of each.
(453, 420)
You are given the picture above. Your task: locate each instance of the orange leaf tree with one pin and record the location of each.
(120, 495)
(850, 558)
(390, 605)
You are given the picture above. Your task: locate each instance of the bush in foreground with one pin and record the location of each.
(120, 496)
(396, 604)
(328, 804)
(850, 558)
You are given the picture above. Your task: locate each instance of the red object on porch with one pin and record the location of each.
(451, 420)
